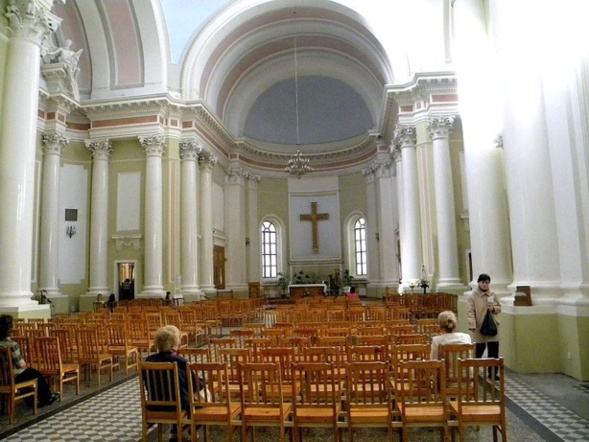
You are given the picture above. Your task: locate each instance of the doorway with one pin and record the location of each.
(126, 280)
(219, 267)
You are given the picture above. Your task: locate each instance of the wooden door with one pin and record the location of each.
(219, 267)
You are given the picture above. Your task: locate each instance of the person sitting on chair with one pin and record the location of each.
(447, 322)
(353, 295)
(21, 372)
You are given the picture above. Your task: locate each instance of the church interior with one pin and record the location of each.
(267, 151)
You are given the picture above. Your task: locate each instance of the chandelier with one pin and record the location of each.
(298, 165)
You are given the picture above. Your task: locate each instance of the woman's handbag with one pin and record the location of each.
(489, 326)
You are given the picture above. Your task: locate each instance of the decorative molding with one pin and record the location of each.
(131, 240)
(153, 145)
(499, 141)
(29, 20)
(396, 154)
(190, 150)
(207, 160)
(404, 136)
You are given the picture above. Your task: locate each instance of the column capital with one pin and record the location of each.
(190, 150)
(253, 180)
(153, 145)
(30, 20)
(396, 154)
(54, 143)
(440, 127)
(100, 149)
(405, 136)
(371, 171)
(236, 175)
(207, 161)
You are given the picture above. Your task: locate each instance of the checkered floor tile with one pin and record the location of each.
(112, 416)
(565, 424)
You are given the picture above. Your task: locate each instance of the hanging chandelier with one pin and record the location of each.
(298, 165)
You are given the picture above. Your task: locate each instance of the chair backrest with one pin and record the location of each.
(316, 384)
(201, 355)
(208, 385)
(481, 382)
(369, 383)
(450, 354)
(233, 357)
(49, 354)
(261, 385)
(27, 350)
(6, 369)
(89, 346)
(365, 353)
(160, 389)
(423, 385)
(215, 344)
(117, 335)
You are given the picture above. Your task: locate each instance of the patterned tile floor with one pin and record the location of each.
(114, 415)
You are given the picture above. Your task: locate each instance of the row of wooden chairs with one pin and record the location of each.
(313, 397)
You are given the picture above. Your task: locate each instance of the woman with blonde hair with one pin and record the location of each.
(447, 323)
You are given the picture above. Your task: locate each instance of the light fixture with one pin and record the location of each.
(70, 231)
(298, 165)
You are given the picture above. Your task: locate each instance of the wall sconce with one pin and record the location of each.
(377, 236)
(70, 231)
(247, 240)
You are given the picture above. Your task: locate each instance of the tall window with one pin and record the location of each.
(360, 247)
(269, 250)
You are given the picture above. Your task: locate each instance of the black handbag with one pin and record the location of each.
(489, 326)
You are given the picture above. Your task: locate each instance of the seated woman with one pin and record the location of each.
(447, 323)
(111, 303)
(21, 371)
(353, 294)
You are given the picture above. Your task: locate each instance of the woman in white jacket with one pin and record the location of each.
(480, 301)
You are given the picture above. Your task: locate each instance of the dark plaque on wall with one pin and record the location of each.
(71, 214)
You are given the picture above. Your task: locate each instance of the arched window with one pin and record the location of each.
(269, 250)
(360, 260)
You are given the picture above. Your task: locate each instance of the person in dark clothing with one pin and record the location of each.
(167, 341)
(21, 372)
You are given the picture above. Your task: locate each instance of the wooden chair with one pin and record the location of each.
(241, 335)
(215, 344)
(369, 398)
(423, 402)
(481, 398)
(331, 355)
(12, 390)
(67, 344)
(450, 354)
(50, 364)
(255, 344)
(210, 402)
(284, 357)
(119, 345)
(319, 402)
(27, 349)
(262, 401)
(365, 353)
(233, 357)
(92, 354)
(160, 397)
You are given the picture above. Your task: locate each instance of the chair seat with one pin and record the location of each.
(478, 413)
(369, 415)
(423, 414)
(265, 414)
(216, 413)
(309, 415)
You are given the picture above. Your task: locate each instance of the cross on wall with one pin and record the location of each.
(314, 217)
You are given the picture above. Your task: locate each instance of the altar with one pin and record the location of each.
(297, 291)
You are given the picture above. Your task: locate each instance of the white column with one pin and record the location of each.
(253, 238)
(154, 148)
(405, 136)
(54, 143)
(448, 272)
(207, 162)
(479, 109)
(30, 23)
(236, 229)
(189, 152)
(389, 268)
(401, 205)
(372, 225)
(98, 279)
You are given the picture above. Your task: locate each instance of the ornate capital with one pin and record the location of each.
(440, 127)
(371, 170)
(28, 19)
(190, 150)
(499, 141)
(100, 149)
(253, 180)
(153, 145)
(236, 175)
(207, 160)
(396, 154)
(54, 143)
(405, 136)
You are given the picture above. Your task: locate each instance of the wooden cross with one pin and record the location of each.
(314, 217)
